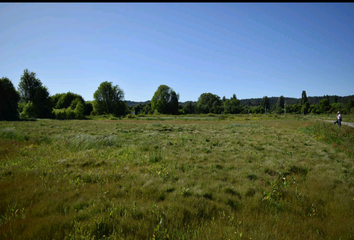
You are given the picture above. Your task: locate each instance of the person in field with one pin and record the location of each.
(339, 119)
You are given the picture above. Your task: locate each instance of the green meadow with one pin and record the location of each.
(206, 177)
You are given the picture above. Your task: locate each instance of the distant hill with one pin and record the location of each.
(272, 101)
(132, 103)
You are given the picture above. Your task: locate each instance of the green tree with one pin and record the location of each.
(165, 100)
(55, 98)
(232, 105)
(327, 97)
(109, 99)
(306, 108)
(79, 110)
(303, 98)
(9, 98)
(335, 99)
(294, 108)
(280, 104)
(32, 90)
(189, 108)
(65, 100)
(265, 103)
(138, 109)
(208, 103)
(350, 106)
(335, 107)
(88, 108)
(324, 105)
(148, 109)
(28, 110)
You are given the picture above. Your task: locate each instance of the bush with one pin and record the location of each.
(28, 111)
(59, 113)
(79, 110)
(131, 116)
(70, 114)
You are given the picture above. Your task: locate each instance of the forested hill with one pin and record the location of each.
(272, 101)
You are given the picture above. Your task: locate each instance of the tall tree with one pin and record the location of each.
(189, 108)
(350, 106)
(109, 99)
(32, 92)
(280, 104)
(265, 103)
(306, 108)
(208, 103)
(165, 100)
(324, 104)
(9, 98)
(232, 105)
(138, 108)
(65, 100)
(303, 98)
(88, 108)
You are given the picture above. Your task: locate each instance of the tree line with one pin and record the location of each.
(32, 100)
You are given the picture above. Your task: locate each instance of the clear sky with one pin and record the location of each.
(248, 49)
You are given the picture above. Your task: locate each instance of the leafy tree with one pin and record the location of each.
(208, 103)
(306, 108)
(335, 107)
(148, 109)
(70, 114)
(189, 108)
(265, 103)
(79, 110)
(29, 86)
(65, 100)
(280, 105)
(335, 99)
(55, 98)
(32, 90)
(303, 98)
(350, 106)
(59, 113)
(68, 102)
(313, 109)
(9, 98)
(293, 108)
(138, 109)
(232, 105)
(324, 105)
(281, 102)
(327, 97)
(255, 109)
(88, 108)
(109, 99)
(28, 110)
(165, 100)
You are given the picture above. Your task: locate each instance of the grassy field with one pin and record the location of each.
(211, 177)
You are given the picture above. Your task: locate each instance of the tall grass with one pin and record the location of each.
(340, 138)
(260, 178)
(13, 134)
(82, 142)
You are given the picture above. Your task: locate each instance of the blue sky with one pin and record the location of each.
(248, 49)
